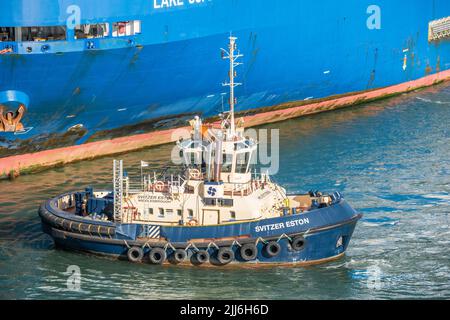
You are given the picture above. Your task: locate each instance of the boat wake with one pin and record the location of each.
(432, 101)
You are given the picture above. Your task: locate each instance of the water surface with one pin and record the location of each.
(391, 160)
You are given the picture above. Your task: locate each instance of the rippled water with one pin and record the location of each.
(391, 159)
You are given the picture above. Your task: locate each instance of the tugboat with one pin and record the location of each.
(216, 211)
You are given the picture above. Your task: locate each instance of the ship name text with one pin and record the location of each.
(162, 4)
(282, 225)
(154, 198)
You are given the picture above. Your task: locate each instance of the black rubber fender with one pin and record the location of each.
(135, 254)
(298, 243)
(202, 256)
(179, 256)
(249, 252)
(157, 256)
(225, 255)
(272, 249)
(74, 226)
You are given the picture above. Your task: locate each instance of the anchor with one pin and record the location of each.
(10, 121)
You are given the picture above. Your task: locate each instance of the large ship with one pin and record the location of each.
(75, 72)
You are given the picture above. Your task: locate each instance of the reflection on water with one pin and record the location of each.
(391, 159)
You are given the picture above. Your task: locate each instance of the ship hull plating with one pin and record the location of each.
(320, 248)
(295, 51)
(325, 234)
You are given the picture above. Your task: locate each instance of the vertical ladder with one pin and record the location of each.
(118, 189)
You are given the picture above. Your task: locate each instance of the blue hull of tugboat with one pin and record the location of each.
(327, 233)
(320, 247)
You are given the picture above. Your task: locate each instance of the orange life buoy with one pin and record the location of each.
(193, 222)
(159, 186)
(195, 173)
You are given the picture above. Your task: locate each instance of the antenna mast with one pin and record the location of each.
(232, 56)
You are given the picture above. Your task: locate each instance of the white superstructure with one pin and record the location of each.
(217, 185)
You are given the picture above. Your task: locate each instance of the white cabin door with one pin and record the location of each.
(210, 217)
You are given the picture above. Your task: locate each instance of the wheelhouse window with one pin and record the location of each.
(7, 34)
(40, 34)
(126, 28)
(91, 31)
(227, 163)
(242, 160)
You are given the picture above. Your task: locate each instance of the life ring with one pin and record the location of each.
(193, 223)
(179, 256)
(195, 174)
(249, 251)
(201, 257)
(157, 256)
(298, 243)
(159, 186)
(135, 254)
(272, 249)
(225, 256)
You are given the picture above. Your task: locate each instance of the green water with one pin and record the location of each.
(390, 159)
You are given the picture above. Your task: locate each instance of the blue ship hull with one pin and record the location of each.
(294, 50)
(320, 248)
(326, 233)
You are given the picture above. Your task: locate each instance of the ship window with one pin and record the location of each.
(193, 159)
(150, 211)
(226, 202)
(190, 213)
(161, 212)
(7, 34)
(242, 160)
(43, 33)
(126, 28)
(169, 211)
(180, 213)
(90, 31)
(210, 202)
(233, 214)
(227, 163)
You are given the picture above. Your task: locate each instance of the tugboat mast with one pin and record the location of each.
(232, 56)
